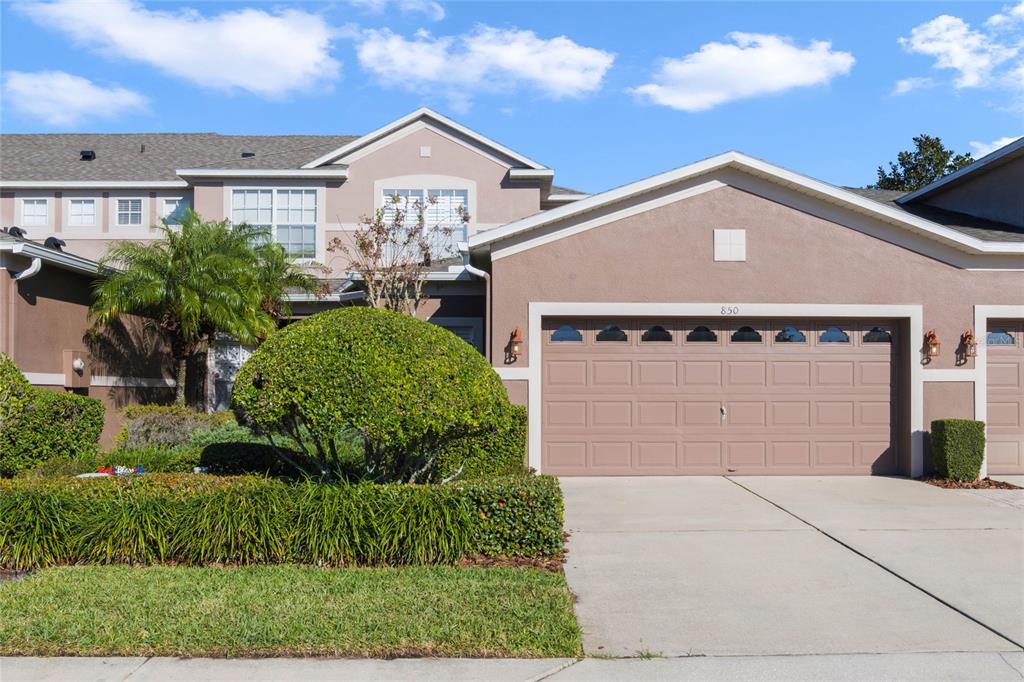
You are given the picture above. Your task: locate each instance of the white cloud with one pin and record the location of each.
(433, 10)
(972, 54)
(1010, 16)
(753, 64)
(486, 59)
(981, 149)
(267, 54)
(905, 85)
(61, 99)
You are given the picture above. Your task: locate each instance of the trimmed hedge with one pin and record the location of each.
(958, 448)
(499, 450)
(15, 392)
(53, 425)
(203, 520)
(165, 425)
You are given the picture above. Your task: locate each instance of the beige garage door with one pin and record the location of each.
(686, 396)
(1005, 342)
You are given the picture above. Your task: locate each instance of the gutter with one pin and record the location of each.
(58, 258)
(488, 341)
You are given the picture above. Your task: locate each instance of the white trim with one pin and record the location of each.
(564, 198)
(59, 258)
(982, 314)
(44, 378)
(950, 375)
(911, 313)
(92, 184)
(513, 373)
(978, 165)
(754, 166)
(530, 173)
(321, 173)
(422, 113)
(57, 379)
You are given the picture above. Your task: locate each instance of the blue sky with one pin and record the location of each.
(605, 93)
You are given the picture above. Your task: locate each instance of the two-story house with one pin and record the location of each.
(729, 316)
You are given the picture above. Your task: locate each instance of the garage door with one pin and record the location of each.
(687, 396)
(1005, 342)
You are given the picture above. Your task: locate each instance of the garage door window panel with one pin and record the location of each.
(612, 334)
(877, 334)
(1000, 337)
(790, 334)
(746, 334)
(702, 334)
(566, 333)
(833, 334)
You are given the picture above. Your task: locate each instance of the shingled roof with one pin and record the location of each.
(152, 156)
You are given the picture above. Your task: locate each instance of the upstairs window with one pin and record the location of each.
(35, 212)
(173, 211)
(129, 212)
(566, 334)
(612, 333)
(834, 335)
(290, 215)
(790, 334)
(746, 334)
(999, 337)
(82, 212)
(656, 334)
(877, 335)
(701, 334)
(405, 200)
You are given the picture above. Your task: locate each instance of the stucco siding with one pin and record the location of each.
(996, 194)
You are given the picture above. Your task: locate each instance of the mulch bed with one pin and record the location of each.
(550, 564)
(983, 484)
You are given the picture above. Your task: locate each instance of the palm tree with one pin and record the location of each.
(278, 275)
(200, 278)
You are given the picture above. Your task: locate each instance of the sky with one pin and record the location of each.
(604, 93)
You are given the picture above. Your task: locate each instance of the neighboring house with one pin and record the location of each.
(730, 316)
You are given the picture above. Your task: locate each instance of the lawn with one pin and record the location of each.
(288, 610)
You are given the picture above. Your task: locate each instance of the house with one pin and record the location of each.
(729, 316)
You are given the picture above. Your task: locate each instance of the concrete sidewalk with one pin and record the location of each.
(914, 666)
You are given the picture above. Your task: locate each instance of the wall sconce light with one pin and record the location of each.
(970, 345)
(78, 364)
(516, 341)
(932, 343)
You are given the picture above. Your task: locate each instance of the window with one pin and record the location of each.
(999, 337)
(656, 333)
(35, 212)
(404, 200)
(701, 334)
(730, 245)
(746, 335)
(289, 215)
(82, 212)
(442, 208)
(129, 211)
(566, 333)
(790, 334)
(834, 335)
(877, 335)
(611, 333)
(173, 210)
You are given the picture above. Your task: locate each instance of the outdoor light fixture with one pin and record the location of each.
(931, 341)
(515, 341)
(969, 344)
(78, 364)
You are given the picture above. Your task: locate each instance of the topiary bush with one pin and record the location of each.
(498, 450)
(958, 448)
(53, 425)
(413, 392)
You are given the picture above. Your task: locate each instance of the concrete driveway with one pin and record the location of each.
(786, 565)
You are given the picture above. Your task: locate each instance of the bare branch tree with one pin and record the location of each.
(393, 249)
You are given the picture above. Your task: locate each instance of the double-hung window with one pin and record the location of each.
(81, 212)
(129, 212)
(35, 212)
(405, 200)
(174, 210)
(444, 213)
(289, 215)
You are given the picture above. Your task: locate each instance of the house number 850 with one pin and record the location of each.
(730, 310)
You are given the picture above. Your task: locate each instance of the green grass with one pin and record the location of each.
(288, 610)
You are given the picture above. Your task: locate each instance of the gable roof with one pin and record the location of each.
(150, 157)
(429, 115)
(986, 163)
(822, 190)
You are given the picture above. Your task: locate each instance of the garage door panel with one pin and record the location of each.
(1005, 371)
(1004, 414)
(722, 406)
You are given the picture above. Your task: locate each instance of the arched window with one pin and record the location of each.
(566, 333)
(790, 334)
(877, 335)
(656, 333)
(701, 334)
(746, 335)
(999, 337)
(611, 333)
(834, 335)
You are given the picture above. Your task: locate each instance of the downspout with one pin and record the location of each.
(464, 248)
(33, 269)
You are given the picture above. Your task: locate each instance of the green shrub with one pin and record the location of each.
(958, 448)
(54, 425)
(410, 388)
(498, 450)
(165, 425)
(15, 392)
(196, 519)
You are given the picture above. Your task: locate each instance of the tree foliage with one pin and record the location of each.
(929, 161)
(195, 280)
(392, 251)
